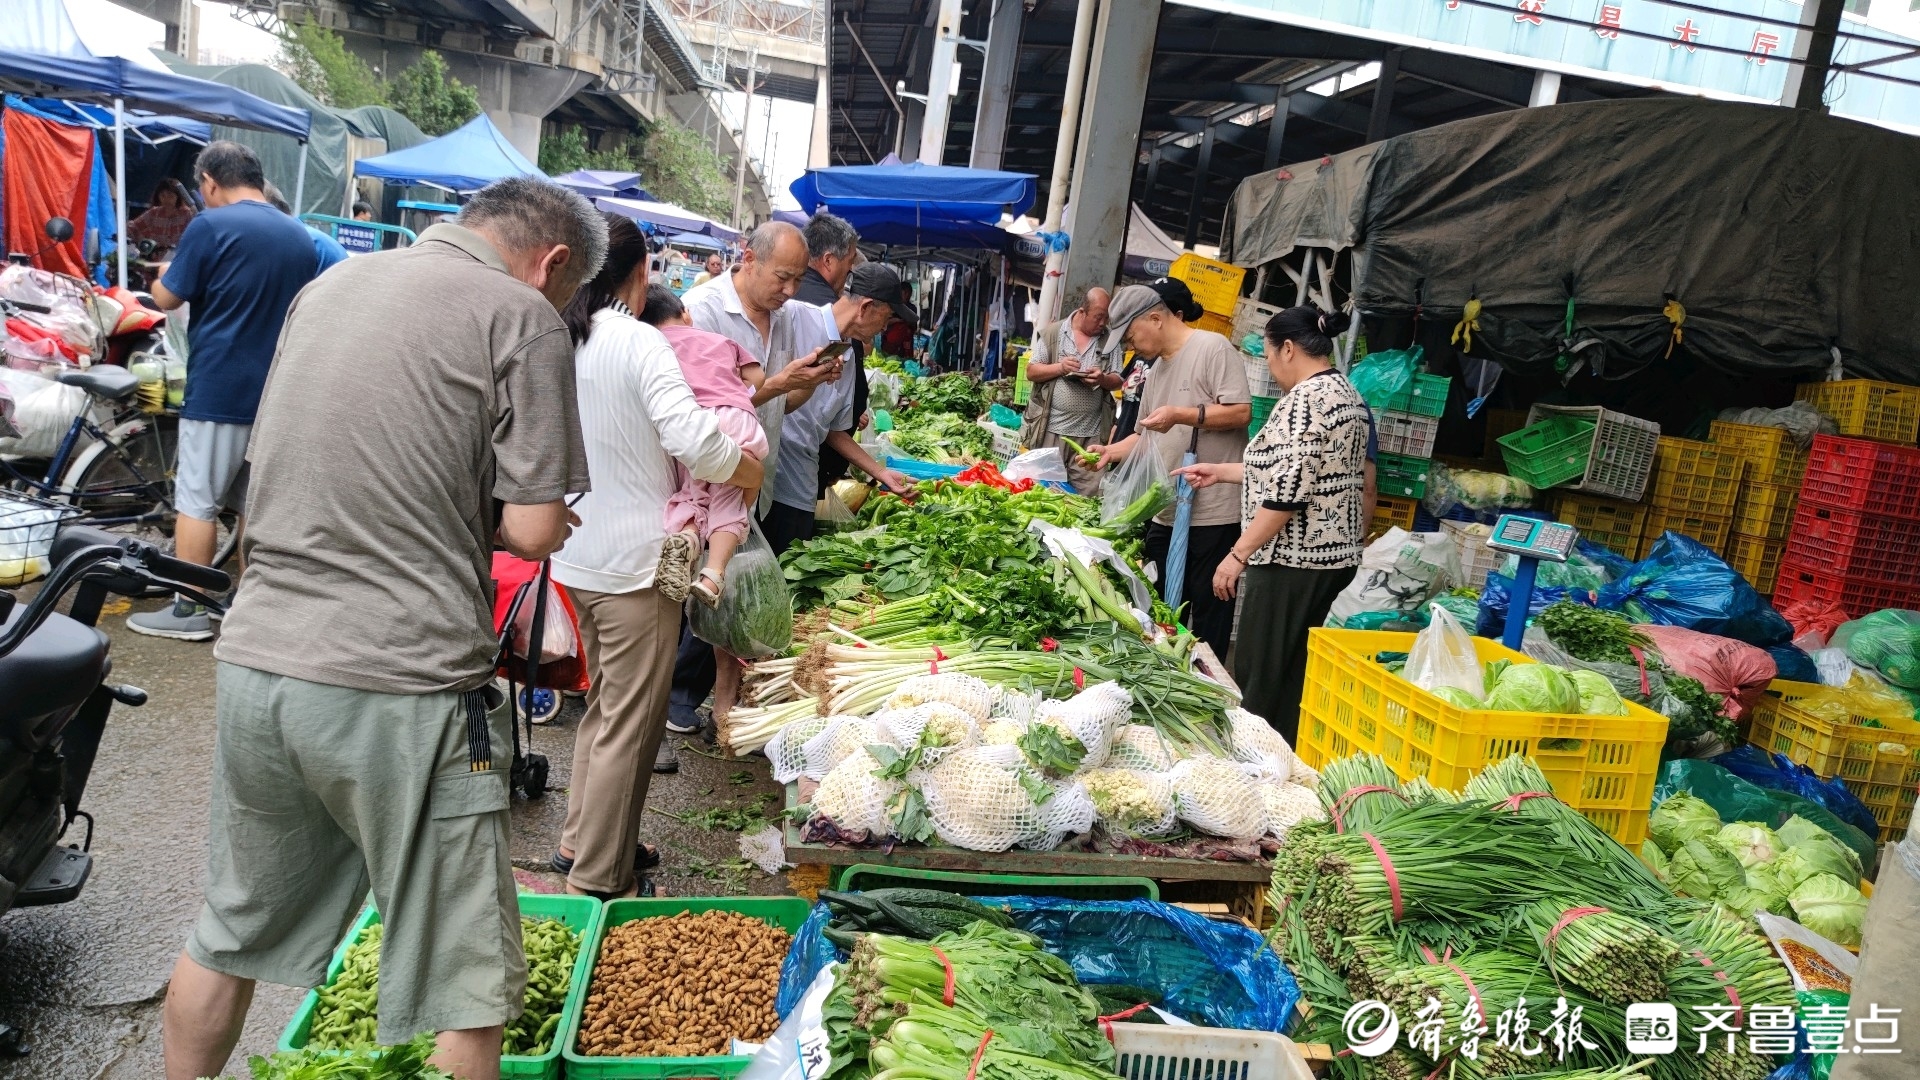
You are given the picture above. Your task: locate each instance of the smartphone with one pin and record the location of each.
(833, 351)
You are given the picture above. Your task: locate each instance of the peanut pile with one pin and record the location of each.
(683, 986)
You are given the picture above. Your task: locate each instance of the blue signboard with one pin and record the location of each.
(1737, 53)
(357, 239)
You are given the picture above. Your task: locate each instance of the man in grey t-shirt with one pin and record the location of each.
(1074, 375)
(420, 404)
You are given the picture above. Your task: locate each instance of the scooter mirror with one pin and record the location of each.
(59, 230)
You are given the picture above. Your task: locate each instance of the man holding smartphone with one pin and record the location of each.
(1073, 381)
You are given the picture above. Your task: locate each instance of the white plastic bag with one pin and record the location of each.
(755, 616)
(43, 410)
(1040, 466)
(1399, 572)
(1143, 475)
(557, 638)
(1443, 655)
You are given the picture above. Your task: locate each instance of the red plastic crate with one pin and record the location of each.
(1856, 596)
(1863, 474)
(1851, 543)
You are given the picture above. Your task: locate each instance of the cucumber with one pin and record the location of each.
(938, 898)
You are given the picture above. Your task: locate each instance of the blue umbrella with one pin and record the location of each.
(1176, 577)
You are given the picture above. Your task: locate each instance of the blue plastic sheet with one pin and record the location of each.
(1792, 662)
(1212, 973)
(1776, 772)
(1497, 595)
(1681, 582)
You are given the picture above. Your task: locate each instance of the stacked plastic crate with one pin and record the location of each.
(1855, 538)
(1615, 524)
(1215, 285)
(1763, 514)
(1692, 491)
(1407, 429)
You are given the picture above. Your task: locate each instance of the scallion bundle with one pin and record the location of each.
(1517, 784)
(1616, 957)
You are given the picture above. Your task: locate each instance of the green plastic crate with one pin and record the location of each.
(1425, 396)
(581, 913)
(786, 912)
(1401, 476)
(865, 876)
(1553, 451)
(1262, 408)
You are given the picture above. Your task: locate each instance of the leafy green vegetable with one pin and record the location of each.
(1680, 819)
(1591, 634)
(958, 393)
(1824, 853)
(1654, 858)
(1596, 692)
(1830, 907)
(1796, 829)
(407, 1061)
(1750, 842)
(1704, 870)
(1538, 688)
(1457, 697)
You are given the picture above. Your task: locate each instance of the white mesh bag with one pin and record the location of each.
(1218, 797)
(944, 729)
(966, 692)
(853, 798)
(1139, 746)
(1130, 802)
(1288, 805)
(976, 800)
(1090, 717)
(1255, 741)
(841, 737)
(1015, 705)
(1304, 774)
(786, 750)
(1002, 732)
(1069, 812)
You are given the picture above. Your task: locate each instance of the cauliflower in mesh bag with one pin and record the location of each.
(1255, 741)
(1218, 797)
(1015, 705)
(1130, 802)
(1068, 812)
(1067, 736)
(853, 798)
(840, 738)
(1288, 805)
(786, 751)
(1139, 746)
(1304, 774)
(1002, 732)
(966, 692)
(931, 731)
(979, 799)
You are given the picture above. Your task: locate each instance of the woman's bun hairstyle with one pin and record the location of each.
(1310, 329)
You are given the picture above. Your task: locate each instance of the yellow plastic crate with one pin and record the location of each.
(1772, 456)
(1757, 558)
(1880, 764)
(1214, 283)
(1611, 523)
(1216, 322)
(1695, 478)
(1710, 529)
(1602, 766)
(1389, 511)
(1766, 510)
(1876, 410)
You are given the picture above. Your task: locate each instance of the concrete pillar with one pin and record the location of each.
(943, 73)
(820, 149)
(1380, 117)
(1813, 45)
(1109, 140)
(1546, 89)
(996, 83)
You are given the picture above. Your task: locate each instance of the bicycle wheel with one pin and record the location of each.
(127, 477)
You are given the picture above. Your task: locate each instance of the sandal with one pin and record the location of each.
(645, 857)
(675, 571)
(709, 595)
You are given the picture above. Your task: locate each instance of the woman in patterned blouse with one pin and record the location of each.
(1302, 513)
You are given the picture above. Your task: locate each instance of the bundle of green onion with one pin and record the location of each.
(1518, 784)
(1359, 791)
(1616, 957)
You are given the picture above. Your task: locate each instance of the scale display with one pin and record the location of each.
(1532, 538)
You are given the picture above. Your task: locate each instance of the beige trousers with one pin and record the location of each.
(631, 639)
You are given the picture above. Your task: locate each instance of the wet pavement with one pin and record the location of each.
(84, 981)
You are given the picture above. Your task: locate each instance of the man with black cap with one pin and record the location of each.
(1195, 397)
(874, 296)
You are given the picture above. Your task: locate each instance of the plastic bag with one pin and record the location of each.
(1139, 487)
(1735, 799)
(43, 410)
(1887, 641)
(1448, 487)
(1800, 419)
(1399, 572)
(1733, 669)
(1443, 655)
(755, 617)
(1833, 666)
(1384, 374)
(558, 637)
(1863, 695)
(1589, 566)
(1040, 466)
(1490, 620)
(1776, 773)
(1793, 663)
(1683, 583)
(1813, 622)
(1640, 684)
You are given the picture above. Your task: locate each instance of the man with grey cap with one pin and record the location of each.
(1195, 397)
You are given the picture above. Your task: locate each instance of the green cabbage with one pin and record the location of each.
(1775, 877)
(1751, 842)
(1457, 697)
(1797, 829)
(1704, 870)
(1536, 688)
(1680, 819)
(1655, 859)
(1745, 900)
(1825, 854)
(1597, 695)
(1830, 907)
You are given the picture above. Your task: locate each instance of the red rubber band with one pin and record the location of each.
(1472, 991)
(933, 666)
(1106, 1022)
(946, 992)
(1514, 801)
(1079, 679)
(979, 1052)
(1567, 919)
(1353, 795)
(1726, 984)
(1386, 865)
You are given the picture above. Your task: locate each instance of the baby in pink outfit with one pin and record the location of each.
(723, 377)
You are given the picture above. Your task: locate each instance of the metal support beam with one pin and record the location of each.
(943, 78)
(1806, 85)
(1195, 204)
(1546, 89)
(996, 83)
(1276, 131)
(1380, 117)
(899, 114)
(1153, 174)
(1109, 139)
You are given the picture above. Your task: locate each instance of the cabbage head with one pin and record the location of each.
(1797, 829)
(1706, 871)
(1457, 697)
(1654, 858)
(1825, 854)
(1830, 907)
(1537, 688)
(1751, 842)
(1745, 901)
(1680, 819)
(1597, 695)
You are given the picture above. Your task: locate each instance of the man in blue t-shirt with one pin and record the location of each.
(239, 263)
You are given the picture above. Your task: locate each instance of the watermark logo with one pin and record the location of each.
(1371, 1028)
(1653, 1027)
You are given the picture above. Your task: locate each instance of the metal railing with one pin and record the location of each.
(804, 20)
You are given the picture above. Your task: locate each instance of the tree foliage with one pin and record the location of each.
(681, 167)
(566, 150)
(435, 101)
(317, 59)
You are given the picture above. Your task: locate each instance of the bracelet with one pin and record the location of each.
(1237, 557)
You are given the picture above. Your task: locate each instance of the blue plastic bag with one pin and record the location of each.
(1497, 594)
(1792, 662)
(1776, 773)
(1683, 583)
(1212, 973)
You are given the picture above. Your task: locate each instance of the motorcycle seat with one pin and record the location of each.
(105, 381)
(53, 671)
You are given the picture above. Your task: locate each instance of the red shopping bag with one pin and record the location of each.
(563, 660)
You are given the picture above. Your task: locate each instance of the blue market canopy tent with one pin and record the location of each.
(600, 183)
(919, 205)
(666, 216)
(462, 161)
(695, 240)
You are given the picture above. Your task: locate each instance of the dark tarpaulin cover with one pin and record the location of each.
(1311, 204)
(1782, 232)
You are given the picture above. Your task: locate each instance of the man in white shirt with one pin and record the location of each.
(875, 296)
